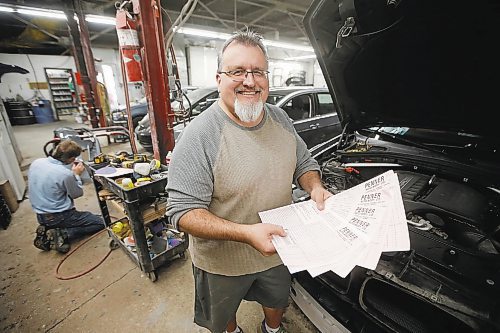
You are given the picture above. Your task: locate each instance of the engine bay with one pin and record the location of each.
(453, 266)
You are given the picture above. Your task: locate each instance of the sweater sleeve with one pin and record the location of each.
(304, 160)
(190, 181)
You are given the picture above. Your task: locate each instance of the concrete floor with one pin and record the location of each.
(114, 297)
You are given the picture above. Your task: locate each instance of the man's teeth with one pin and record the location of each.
(248, 92)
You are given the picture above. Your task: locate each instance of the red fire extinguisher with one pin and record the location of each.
(128, 41)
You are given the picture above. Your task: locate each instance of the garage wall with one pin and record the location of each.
(14, 83)
(202, 65)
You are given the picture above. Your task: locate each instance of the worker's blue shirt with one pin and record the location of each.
(52, 186)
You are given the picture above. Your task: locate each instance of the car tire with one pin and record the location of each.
(135, 121)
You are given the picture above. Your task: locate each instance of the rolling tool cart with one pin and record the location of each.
(143, 234)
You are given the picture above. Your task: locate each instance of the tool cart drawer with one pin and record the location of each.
(138, 193)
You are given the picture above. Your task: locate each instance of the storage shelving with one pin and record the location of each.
(62, 89)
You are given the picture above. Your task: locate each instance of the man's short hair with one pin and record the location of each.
(246, 37)
(66, 150)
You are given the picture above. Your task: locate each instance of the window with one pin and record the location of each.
(273, 99)
(325, 104)
(204, 103)
(298, 107)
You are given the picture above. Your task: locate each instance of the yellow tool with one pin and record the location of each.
(128, 164)
(140, 158)
(99, 159)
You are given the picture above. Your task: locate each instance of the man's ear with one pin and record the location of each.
(217, 78)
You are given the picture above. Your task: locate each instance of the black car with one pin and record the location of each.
(310, 108)
(196, 102)
(415, 84)
(138, 110)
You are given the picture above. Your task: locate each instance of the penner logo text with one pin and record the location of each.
(374, 182)
(371, 197)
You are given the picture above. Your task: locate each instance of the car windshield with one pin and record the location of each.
(194, 96)
(274, 98)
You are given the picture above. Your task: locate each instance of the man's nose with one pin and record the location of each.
(249, 80)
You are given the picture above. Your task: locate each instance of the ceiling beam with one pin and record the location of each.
(301, 29)
(276, 8)
(214, 15)
(34, 26)
(285, 6)
(267, 12)
(232, 21)
(100, 33)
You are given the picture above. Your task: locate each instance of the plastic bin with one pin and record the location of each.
(43, 111)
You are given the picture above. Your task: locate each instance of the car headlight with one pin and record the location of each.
(119, 115)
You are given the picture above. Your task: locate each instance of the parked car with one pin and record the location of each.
(196, 102)
(310, 108)
(415, 84)
(138, 110)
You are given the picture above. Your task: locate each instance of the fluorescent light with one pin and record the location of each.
(202, 33)
(100, 19)
(288, 46)
(57, 14)
(6, 9)
(305, 57)
(224, 36)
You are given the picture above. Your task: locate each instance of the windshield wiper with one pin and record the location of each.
(400, 139)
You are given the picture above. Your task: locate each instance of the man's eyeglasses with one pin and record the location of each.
(240, 74)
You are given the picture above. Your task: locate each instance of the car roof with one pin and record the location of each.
(289, 90)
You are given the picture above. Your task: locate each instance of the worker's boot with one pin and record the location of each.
(58, 240)
(41, 239)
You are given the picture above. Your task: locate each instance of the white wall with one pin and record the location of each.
(14, 83)
(203, 65)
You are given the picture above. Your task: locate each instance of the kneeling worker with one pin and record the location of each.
(52, 189)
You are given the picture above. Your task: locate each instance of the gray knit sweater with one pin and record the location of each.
(234, 172)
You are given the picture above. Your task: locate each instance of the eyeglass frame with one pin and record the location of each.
(241, 79)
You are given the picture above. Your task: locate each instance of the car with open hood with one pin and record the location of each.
(415, 85)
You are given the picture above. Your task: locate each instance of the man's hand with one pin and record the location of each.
(319, 194)
(260, 235)
(311, 182)
(78, 168)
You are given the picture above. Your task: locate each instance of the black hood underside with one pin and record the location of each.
(417, 63)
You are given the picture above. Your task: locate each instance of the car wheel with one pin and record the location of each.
(135, 121)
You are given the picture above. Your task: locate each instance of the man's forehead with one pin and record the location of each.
(229, 58)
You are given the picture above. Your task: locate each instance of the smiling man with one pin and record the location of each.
(237, 158)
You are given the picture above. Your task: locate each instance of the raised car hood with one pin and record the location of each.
(417, 63)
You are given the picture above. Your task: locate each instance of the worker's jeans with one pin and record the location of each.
(76, 224)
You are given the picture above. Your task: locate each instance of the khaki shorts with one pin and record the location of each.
(217, 297)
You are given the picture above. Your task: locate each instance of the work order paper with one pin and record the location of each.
(355, 227)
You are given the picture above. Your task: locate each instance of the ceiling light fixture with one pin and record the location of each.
(100, 19)
(304, 57)
(57, 14)
(6, 9)
(224, 36)
(202, 33)
(288, 46)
